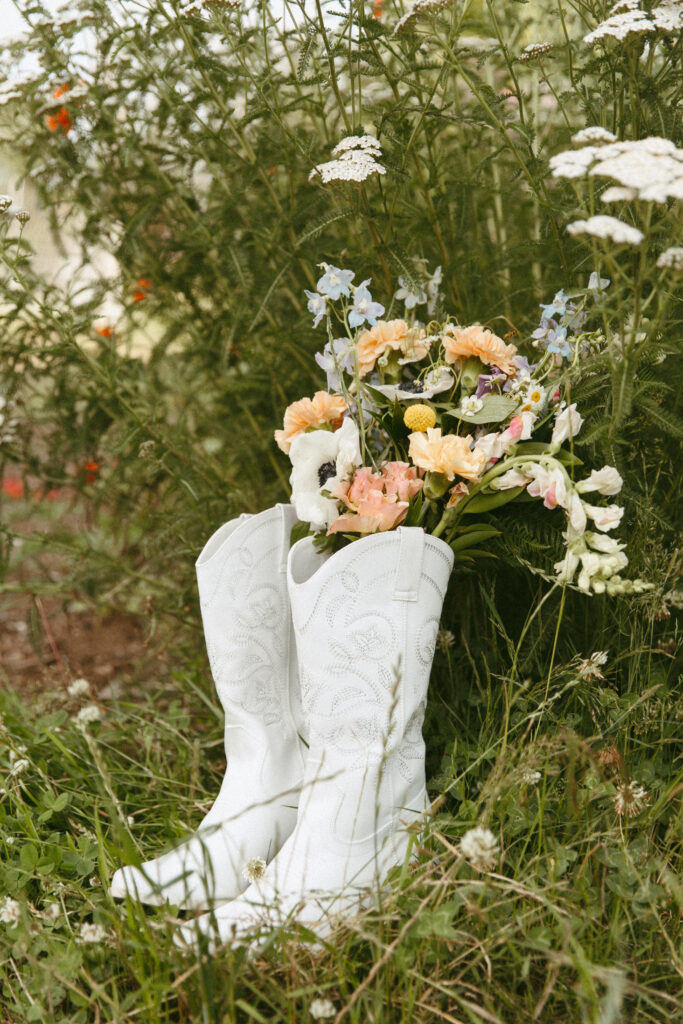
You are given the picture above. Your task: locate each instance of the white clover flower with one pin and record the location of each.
(471, 405)
(322, 1009)
(671, 259)
(602, 226)
(534, 51)
(356, 160)
(5, 203)
(91, 933)
(19, 767)
(16, 752)
(78, 688)
(590, 668)
(88, 714)
(593, 136)
(420, 8)
(530, 776)
(10, 911)
(445, 639)
(254, 869)
(630, 799)
(52, 912)
(479, 847)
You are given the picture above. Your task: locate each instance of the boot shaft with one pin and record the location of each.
(241, 575)
(365, 625)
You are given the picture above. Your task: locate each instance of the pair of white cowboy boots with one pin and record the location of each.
(322, 667)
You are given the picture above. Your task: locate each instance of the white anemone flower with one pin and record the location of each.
(321, 459)
(433, 384)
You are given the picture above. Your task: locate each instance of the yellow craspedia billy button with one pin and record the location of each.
(419, 417)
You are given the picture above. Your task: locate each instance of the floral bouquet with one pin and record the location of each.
(438, 425)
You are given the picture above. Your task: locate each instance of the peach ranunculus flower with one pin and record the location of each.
(447, 454)
(461, 342)
(310, 414)
(372, 344)
(376, 501)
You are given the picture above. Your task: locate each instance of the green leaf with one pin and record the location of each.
(495, 409)
(486, 502)
(471, 538)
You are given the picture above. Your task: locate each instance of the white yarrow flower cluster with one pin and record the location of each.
(651, 168)
(479, 847)
(607, 228)
(627, 19)
(671, 259)
(10, 911)
(534, 51)
(593, 136)
(357, 159)
(420, 8)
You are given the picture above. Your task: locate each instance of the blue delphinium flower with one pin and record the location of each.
(335, 282)
(317, 305)
(412, 295)
(336, 355)
(597, 284)
(555, 308)
(363, 307)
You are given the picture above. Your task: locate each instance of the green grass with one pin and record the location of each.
(579, 921)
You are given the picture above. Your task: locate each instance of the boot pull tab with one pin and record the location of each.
(409, 568)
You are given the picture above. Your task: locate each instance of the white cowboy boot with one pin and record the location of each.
(242, 581)
(366, 624)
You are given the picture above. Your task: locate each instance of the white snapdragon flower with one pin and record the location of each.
(568, 423)
(605, 517)
(605, 481)
(321, 459)
(513, 478)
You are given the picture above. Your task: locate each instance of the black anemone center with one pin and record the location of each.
(325, 471)
(415, 387)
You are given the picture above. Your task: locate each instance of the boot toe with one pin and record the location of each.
(137, 884)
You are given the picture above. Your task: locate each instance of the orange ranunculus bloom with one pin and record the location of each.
(482, 343)
(372, 344)
(447, 454)
(309, 414)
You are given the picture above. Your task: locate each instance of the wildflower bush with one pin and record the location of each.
(524, 173)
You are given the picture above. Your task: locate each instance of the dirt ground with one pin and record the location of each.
(47, 641)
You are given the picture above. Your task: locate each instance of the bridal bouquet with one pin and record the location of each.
(438, 425)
